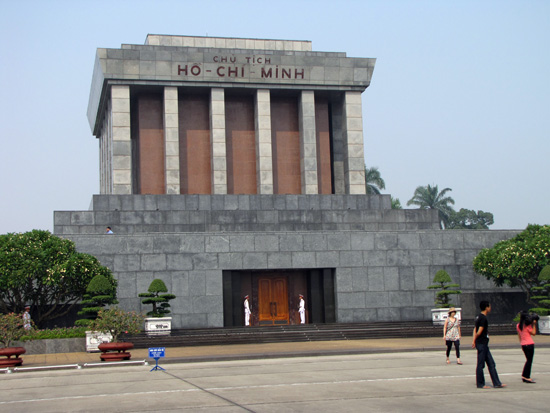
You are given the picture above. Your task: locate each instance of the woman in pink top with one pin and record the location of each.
(526, 329)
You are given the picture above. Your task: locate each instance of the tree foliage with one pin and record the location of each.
(429, 197)
(395, 203)
(117, 322)
(541, 293)
(100, 292)
(45, 272)
(469, 219)
(11, 328)
(518, 261)
(158, 300)
(373, 181)
(442, 281)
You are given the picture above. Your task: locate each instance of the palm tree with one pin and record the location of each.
(373, 181)
(395, 203)
(429, 197)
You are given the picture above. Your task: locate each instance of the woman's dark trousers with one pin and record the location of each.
(529, 352)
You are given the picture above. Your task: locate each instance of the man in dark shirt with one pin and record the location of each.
(481, 343)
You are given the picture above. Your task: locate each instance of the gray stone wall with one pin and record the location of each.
(130, 214)
(379, 275)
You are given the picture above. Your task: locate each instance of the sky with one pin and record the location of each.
(459, 98)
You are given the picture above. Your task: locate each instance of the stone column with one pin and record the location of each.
(217, 139)
(354, 160)
(338, 152)
(171, 140)
(264, 157)
(308, 144)
(122, 145)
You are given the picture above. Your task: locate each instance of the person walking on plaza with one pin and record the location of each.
(451, 334)
(481, 343)
(302, 309)
(526, 328)
(247, 312)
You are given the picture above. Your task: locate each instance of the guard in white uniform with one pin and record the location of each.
(27, 318)
(302, 309)
(247, 312)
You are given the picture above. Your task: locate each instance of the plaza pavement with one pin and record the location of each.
(397, 375)
(278, 350)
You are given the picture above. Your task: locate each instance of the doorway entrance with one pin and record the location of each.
(274, 296)
(273, 300)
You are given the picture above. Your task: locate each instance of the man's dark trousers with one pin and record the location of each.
(484, 356)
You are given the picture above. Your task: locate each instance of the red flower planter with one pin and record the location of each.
(9, 352)
(118, 351)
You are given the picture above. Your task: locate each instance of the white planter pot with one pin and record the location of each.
(439, 315)
(158, 325)
(95, 338)
(544, 324)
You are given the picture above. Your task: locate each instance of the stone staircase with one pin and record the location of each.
(298, 333)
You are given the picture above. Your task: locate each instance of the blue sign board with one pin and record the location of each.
(156, 352)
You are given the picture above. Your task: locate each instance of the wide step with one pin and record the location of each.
(299, 333)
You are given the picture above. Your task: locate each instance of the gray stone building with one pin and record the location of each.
(236, 166)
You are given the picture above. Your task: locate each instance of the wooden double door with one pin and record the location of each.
(273, 300)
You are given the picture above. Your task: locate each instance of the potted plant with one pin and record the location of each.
(117, 322)
(11, 329)
(158, 322)
(99, 293)
(541, 295)
(442, 281)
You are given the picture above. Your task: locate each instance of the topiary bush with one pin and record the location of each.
(99, 293)
(155, 297)
(11, 328)
(541, 293)
(442, 281)
(117, 322)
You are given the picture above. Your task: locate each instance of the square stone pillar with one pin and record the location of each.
(264, 156)
(171, 140)
(122, 144)
(217, 139)
(354, 158)
(105, 153)
(308, 144)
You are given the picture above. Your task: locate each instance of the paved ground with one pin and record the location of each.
(270, 350)
(364, 379)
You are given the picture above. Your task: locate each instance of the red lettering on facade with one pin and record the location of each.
(232, 71)
(195, 70)
(272, 72)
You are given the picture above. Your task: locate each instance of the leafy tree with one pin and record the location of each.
(44, 271)
(11, 328)
(117, 322)
(100, 292)
(429, 197)
(395, 203)
(468, 219)
(442, 281)
(374, 181)
(158, 300)
(518, 261)
(541, 294)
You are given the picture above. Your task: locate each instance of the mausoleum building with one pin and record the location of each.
(236, 166)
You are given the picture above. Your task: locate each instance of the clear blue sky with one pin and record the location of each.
(460, 95)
